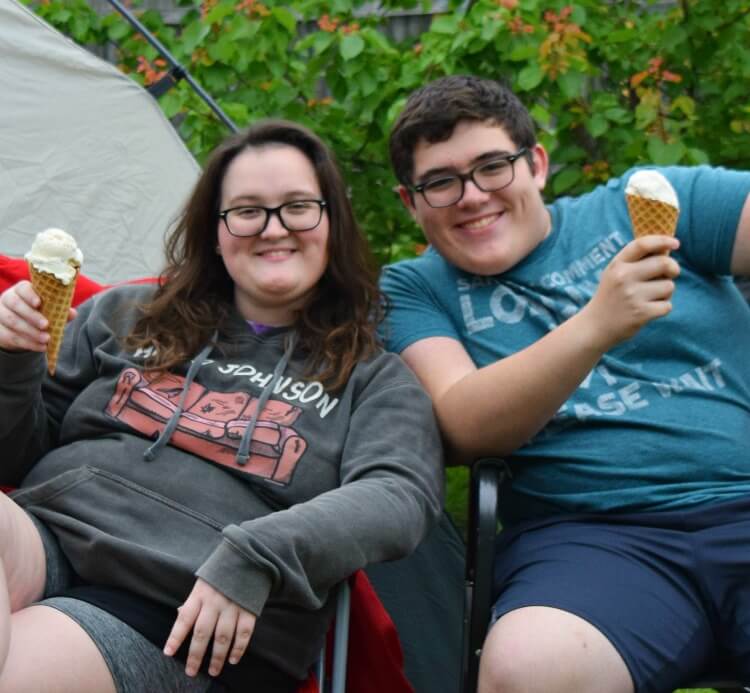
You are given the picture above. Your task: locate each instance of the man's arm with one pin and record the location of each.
(741, 252)
(496, 409)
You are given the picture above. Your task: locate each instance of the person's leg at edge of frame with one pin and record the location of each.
(22, 566)
(545, 649)
(40, 647)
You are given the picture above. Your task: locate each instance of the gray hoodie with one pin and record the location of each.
(273, 505)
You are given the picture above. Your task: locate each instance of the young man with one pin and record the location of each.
(613, 375)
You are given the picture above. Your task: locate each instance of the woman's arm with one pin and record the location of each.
(26, 431)
(390, 495)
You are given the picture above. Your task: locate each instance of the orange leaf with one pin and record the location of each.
(668, 76)
(636, 79)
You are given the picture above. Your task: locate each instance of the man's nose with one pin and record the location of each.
(473, 194)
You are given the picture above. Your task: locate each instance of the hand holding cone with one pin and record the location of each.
(54, 263)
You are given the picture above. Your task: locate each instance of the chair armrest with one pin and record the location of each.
(486, 476)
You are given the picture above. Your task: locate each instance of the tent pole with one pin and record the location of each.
(177, 72)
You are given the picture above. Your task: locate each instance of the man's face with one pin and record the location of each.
(484, 232)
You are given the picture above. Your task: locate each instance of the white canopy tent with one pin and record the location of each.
(86, 149)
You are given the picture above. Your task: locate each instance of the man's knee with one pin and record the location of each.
(506, 666)
(543, 649)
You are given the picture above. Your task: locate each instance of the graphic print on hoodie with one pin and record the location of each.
(211, 424)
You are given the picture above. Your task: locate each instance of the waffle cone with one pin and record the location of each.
(56, 300)
(651, 216)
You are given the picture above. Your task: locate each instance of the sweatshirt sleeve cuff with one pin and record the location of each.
(20, 366)
(230, 572)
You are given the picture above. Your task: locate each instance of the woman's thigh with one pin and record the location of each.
(22, 554)
(65, 645)
(50, 652)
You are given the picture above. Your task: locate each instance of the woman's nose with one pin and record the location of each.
(274, 227)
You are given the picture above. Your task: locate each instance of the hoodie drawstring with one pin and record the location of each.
(243, 454)
(166, 434)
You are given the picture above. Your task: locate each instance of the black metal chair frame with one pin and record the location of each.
(486, 477)
(337, 683)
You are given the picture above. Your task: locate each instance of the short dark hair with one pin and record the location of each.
(432, 112)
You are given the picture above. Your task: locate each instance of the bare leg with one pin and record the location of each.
(22, 566)
(4, 617)
(41, 649)
(540, 649)
(50, 653)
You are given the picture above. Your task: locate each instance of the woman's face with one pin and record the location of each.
(276, 271)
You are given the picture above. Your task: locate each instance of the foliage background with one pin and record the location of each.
(610, 84)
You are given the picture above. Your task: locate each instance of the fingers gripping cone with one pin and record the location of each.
(652, 204)
(57, 298)
(54, 263)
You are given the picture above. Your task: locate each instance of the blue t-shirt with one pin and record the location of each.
(663, 420)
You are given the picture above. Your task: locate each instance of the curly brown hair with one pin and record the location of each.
(337, 327)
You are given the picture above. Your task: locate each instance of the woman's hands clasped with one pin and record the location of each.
(22, 326)
(208, 613)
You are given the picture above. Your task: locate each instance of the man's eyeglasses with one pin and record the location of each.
(489, 176)
(297, 215)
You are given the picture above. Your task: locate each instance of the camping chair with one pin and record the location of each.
(486, 477)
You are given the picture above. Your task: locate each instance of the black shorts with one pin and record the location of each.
(130, 632)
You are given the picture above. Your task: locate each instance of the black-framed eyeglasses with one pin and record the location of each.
(489, 176)
(251, 220)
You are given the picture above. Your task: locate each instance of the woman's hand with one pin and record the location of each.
(207, 612)
(22, 326)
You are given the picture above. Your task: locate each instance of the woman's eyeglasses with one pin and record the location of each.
(297, 215)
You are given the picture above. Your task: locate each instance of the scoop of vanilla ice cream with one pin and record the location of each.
(54, 251)
(653, 186)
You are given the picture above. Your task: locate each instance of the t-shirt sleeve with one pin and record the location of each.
(414, 309)
(711, 201)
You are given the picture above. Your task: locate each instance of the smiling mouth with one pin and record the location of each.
(479, 224)
(276, 252)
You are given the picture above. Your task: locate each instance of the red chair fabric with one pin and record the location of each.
(375, 661)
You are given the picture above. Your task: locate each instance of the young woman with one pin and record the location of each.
(232, 442)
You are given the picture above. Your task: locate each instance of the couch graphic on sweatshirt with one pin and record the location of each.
(212, 423)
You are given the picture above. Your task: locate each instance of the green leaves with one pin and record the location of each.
(351, 46)
(285, 18)
(609, 84)
(194, 35)
(665, 153)
(530, 77)
(566, 179)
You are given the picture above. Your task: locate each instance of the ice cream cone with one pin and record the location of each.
(651, 216)
(57, 297)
